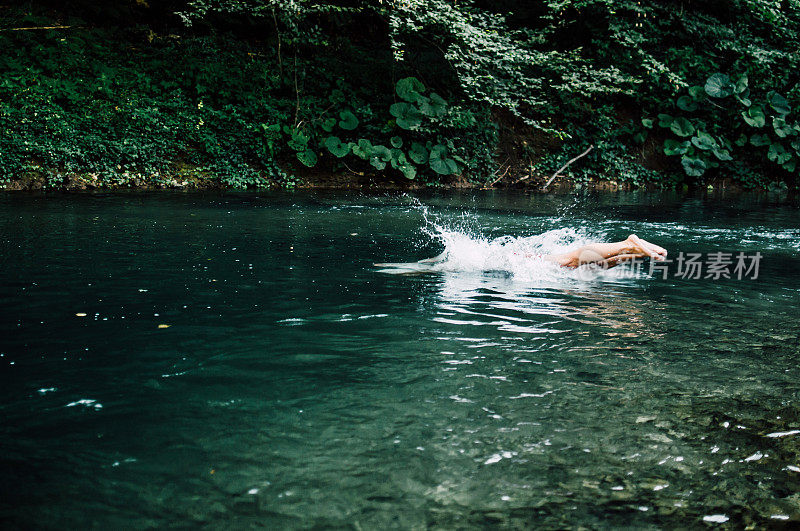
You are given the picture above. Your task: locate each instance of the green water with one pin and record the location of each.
(297, 386)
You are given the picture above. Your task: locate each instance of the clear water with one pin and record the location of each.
(297, 385)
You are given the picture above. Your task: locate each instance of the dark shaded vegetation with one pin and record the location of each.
(247, 93)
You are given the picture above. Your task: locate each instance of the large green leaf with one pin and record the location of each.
(348, 120)
(665, 120)
(418, 153)
(299, 141)
(307, 157)
(780, 104)
(782, 129)
(380, 156)
(686, 103)
(722, 154)
(682, 127)
(754, 116)
(396, 141)
(741, 84)
(440, 163)
(336, 147)
(398, 158)
(363, 149)
(674, 147)
(406, 115)
(694, 167)
(704, 141)
(778, 154)
(697, 92)
(434, 106)
(410, 89)
(719, 86)
(409, 170)
(760, 139)
(327, 125)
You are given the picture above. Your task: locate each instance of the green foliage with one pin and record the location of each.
(409, 117)
(253, 86)
(710, 124)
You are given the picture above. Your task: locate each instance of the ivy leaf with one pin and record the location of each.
(410, 89)
(440, 163)
(780, 104)
(673, 147)
(791, 165)
(418, 153)
(647, 122)
(754, 116)
(760, 140)
(782, 129)
(742, 140)
(396, 141)
(693, 167)
(307, 157)
(682, 127)
(686, 103)
(796, 146)
(719, 86)
(336, 147)
(406, 115)
(704, 141)
(348, 120)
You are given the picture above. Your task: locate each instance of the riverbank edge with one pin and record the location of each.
(194, 180)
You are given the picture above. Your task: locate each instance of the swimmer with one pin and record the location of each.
(603, 254)
(609, 254)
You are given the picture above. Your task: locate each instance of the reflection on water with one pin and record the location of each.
(239, 361)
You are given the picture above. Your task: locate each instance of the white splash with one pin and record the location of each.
(520, 257)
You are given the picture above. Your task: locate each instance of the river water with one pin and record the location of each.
(239, 361)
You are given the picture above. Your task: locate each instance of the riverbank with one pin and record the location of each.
(137, 97)
(188, 181)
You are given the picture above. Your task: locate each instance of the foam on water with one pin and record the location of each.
(466, 250)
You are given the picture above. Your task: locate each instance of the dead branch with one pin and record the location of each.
(562, 168)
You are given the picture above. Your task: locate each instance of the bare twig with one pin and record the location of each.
(37, 28)
(278, 34)
(296, 90)
(562, 168)
(496, 180)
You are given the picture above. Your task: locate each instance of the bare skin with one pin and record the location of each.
(609, 254)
